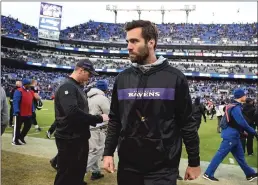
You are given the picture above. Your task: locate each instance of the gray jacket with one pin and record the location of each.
(98, 102)
(4, 109)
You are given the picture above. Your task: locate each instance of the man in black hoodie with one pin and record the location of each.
(198, 112)
(249, 115)
(150, 114)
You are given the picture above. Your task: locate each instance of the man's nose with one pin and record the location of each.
(130, 46)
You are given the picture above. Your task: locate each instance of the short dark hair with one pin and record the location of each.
(149, 30)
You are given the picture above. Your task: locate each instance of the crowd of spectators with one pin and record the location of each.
(183, 65)
(13, 27)
(180, 32)
(48, 81)
(169, 32)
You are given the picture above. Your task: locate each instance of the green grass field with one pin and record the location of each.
(31, 170)
(209, 138)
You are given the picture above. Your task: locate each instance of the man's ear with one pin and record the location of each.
(151, 43)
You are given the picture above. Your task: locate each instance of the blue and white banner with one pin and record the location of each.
(49, 24)
(199, 54)
(195, 74)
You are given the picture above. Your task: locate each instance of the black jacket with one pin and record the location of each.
(249, 113)
(149, 129)
(71, 111)
(198, 111)
(256, 116)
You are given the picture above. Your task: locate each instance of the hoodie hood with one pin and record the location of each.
(95, 91)
(147, 67)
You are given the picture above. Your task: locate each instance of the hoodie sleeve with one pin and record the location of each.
(114, 125)
(186, 122)
(238, 117)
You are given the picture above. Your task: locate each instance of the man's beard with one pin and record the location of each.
(140, 58)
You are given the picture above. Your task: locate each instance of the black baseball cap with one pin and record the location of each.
(86, 64)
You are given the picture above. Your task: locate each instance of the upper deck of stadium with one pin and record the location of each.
(168, 33)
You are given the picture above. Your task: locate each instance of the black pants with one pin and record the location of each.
(17, 133)
(11, 115)
(34, 118)
(198, 123)
(161, 177)
(212, 114)
(218, 127)
(52, 128)
(247, 143)
(72, 161)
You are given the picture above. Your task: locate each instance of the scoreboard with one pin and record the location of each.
(49, 21)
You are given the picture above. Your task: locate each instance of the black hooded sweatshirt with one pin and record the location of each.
(198, 110)
(150, 113)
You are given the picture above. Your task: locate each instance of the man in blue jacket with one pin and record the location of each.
(231, 139)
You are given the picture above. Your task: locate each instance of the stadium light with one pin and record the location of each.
(139, 11)
(114, 7)
(187, 9)
(190, 7)
(194, 7)
(162, 9)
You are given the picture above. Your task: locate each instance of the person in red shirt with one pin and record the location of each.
(23, 108)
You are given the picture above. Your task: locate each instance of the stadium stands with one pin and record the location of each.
(14, 28)
(97, 31)
(185, 66)
(208, 33)
(48, 81)
(183, 32)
